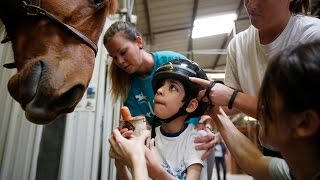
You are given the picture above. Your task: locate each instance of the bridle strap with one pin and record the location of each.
(32, 10)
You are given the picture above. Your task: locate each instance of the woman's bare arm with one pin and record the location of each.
(247, 155)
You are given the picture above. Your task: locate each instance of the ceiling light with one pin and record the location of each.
(216, 76)
(213, 25)
(248, 118)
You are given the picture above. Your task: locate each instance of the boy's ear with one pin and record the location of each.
(306, 125)
(193, 104)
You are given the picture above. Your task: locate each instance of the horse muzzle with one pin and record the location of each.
(44, 94)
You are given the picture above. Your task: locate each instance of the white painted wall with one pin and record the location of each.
(86, 143)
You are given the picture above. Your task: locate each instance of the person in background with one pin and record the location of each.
(276, 24)
(133, 152)
(220, 151)
(131, 73)
(289, 116)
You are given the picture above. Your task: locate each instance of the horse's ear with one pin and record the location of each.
(112, 6)
(10, 66)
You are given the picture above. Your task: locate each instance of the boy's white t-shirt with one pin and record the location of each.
(178, 152)
(247, 59)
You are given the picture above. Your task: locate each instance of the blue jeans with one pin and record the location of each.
(220, 160)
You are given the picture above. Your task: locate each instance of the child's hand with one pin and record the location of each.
(153, 163)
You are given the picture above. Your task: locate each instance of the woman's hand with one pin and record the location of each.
(219, 94)
(128, 149)
(115, 154)
(206, 142)
(125, 132)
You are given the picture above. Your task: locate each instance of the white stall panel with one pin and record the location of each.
(82, 154)
(19, 139)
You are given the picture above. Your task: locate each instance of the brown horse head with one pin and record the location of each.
(54, 45)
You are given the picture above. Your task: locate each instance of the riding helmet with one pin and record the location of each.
(182, 69)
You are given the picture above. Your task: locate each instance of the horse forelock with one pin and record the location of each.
(8, 14)
(112, 6)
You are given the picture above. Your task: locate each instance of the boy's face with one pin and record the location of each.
(168, 98)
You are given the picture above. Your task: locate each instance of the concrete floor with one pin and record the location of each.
(231, 176)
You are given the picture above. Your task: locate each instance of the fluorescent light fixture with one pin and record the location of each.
(213, 25)
(248, 118)
(215, 76)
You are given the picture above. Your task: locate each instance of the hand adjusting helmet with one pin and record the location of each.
(181, 69)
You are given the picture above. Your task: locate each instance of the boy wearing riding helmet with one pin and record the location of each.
(176, 102)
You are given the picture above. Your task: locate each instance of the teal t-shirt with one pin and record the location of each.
(141, 96)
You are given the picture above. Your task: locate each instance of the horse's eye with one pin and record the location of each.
(99, 3)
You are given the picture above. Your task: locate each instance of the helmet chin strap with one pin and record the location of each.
(182, 111)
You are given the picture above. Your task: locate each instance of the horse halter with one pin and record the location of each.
(27, 7)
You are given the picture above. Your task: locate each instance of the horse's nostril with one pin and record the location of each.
(23, 86)
(69, 98)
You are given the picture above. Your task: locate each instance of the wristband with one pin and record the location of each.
(233, 97)
(212, 83)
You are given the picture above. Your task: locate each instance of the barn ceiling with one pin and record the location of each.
(167, 25)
